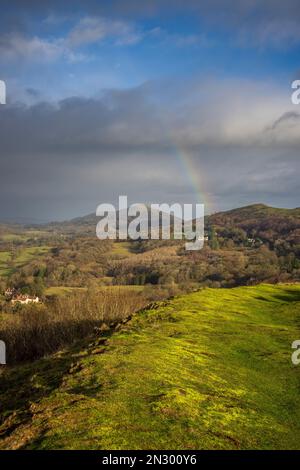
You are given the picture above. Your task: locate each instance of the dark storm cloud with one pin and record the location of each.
(80, 152)
(290, 118)
(120, 121)
(151, 117)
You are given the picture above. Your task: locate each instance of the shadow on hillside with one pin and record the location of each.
(25, 384)
(286, 295)
(264, 299)
(28, 383)
(36, 339)
(289, 295)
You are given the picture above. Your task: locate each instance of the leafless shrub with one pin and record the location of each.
(39, 330)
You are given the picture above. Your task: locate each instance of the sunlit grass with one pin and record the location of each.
(208, 370)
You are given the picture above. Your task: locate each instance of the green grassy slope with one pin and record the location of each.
(26, 254)
(208, 370)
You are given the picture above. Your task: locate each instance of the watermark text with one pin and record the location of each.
(2, 92)
(157, 222)
(296, 94)
(2, 353)
(296, 354)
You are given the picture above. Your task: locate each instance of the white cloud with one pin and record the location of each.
(18, 47)
(89, 30)
(92, 30)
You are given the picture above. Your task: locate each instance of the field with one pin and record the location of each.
(28, 254)
(22, 235)
(207, 370)
(24, 256)
(4, 259)
(121, 249)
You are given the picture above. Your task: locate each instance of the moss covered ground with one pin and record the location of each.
(207, 370)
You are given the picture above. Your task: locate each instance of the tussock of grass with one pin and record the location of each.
(208, 370)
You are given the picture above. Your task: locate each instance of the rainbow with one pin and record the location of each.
(187, 169)
(193, 177)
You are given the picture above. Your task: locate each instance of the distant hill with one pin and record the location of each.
(256, 221)
(252, 212)
(89, 222)
(239, 215)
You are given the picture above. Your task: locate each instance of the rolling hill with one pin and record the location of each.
(254, 214)
(251, 214)
(208, 370)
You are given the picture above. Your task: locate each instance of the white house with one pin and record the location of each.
(25, 299)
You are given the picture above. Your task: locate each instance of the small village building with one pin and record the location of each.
(25, 299)
(12, 295)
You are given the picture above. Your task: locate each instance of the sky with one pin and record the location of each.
(163, 101)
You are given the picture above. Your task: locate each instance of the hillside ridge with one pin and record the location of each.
(164, 380)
